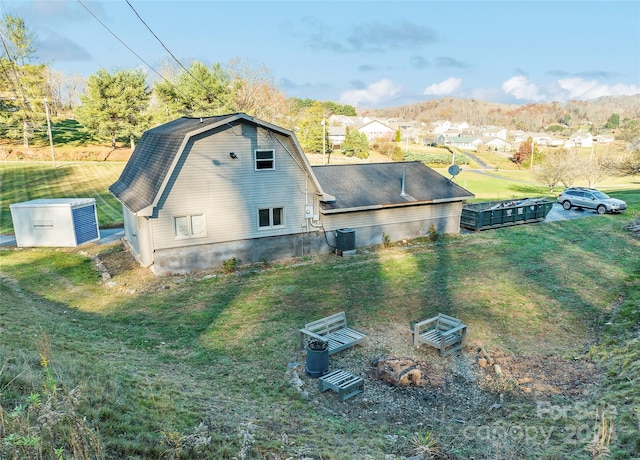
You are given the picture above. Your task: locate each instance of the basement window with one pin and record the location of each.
(270, 218)
(192, 226)
(265, 159)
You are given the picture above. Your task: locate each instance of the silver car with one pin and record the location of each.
(590, 198)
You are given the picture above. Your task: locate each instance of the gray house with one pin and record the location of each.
(199, 191)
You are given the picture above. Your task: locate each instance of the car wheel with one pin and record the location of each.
(601, 209)
(566, 205)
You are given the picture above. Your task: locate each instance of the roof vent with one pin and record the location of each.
(404, 173)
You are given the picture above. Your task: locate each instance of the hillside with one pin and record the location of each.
(530, 117)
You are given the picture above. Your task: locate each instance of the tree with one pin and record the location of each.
(355, 144)
(115, 105)
(613, 122)
(255, 93)
(311, 129)
(389, 149)
(595, 170)
(22, 85)
(551, 169)
(21, 99)
(333, 108)
(198, 91)
(19, 44)
(523, 154)
(629, 164)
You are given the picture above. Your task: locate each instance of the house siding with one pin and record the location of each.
(228, 192)
(400, 223)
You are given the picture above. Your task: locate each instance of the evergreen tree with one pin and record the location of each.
(311, 129)
(613, 122)
(200, 91)
(22, 85)
(19, 46)
(356, 144)
(115, 105)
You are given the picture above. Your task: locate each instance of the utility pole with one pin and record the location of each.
(531, 163)
(53, 155)
(324, 147)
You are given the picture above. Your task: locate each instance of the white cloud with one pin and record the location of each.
(521, 88)
(374, 94)
(565, 89)
(577, 88)
(445, 87)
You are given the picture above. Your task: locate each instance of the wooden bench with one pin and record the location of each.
(342, 382)
(443, 332)
(333, 330)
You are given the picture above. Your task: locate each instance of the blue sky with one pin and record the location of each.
(363, 53)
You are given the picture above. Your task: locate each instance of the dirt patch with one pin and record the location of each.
(544, 376)
(454, 390)
(118, 261)
(67, 153)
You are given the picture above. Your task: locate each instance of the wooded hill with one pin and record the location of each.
(528, 117)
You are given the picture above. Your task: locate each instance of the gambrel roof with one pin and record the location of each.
(148, 171)
(379, 185)
(341, 188)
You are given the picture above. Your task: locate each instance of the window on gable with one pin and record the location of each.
(270, 217)
(265, 159)
(192, 226)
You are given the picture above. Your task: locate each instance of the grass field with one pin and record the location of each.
(24, 181)
(28, 180)
(133, 366)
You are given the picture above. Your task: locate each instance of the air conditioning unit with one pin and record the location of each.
(345, 240)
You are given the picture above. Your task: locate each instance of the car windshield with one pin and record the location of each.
(600, 195)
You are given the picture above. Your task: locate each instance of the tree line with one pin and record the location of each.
(121, 105)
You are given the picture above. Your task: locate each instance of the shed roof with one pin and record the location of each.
(379, 185)
(53, 202)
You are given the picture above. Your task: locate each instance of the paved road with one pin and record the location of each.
(107, 235)
(559, 213)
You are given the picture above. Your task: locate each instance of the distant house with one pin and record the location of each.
(603, 139)
(464, 143)
(336, 135)
(494, 131)
(580, 139)
(199, 191)
(496, 144)
(375, 129)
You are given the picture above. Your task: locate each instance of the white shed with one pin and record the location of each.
(56, 222)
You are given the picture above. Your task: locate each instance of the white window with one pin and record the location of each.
(189, 226)
(265, 159)
(270, 218)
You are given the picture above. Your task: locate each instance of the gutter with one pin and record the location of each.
(391, 205)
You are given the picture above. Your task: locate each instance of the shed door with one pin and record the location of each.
(84, 224)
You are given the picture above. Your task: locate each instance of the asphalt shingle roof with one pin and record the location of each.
(149, 164)
(380, 184)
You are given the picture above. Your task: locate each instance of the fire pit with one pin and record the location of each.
(405, 372)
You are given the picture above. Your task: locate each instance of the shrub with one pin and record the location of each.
(230, 266)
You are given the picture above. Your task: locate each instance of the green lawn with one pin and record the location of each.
(198, 366)
(24, 181)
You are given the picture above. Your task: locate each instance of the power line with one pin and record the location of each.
(25, 102)
(145, 62)
(118, 38)
(177, 60)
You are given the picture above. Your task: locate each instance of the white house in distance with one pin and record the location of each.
(199, 191)
(375, 129)
(580, 139)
